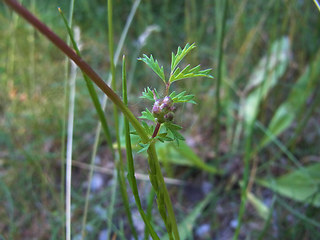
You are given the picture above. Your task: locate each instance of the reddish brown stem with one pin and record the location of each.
(156, 130)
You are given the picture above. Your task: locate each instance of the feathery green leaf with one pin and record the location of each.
(173, 128)
(147, 115)
(181, 97)
(154, 65)
(181, 53)
(148, 94)
(189, 72)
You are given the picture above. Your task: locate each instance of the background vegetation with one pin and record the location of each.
(265, 137)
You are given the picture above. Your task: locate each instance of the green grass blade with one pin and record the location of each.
(116, 123)
(131, 171)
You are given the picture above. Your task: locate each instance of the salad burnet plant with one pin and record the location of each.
(162, 113)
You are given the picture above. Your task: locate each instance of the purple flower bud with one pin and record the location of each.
(156, 107)
(168, 101)
(162, 109)
(166, 104)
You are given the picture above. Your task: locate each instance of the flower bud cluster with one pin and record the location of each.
(163, 109)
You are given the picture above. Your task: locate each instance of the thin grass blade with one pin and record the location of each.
(131, 171)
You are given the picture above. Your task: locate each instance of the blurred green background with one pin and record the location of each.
(269, 119)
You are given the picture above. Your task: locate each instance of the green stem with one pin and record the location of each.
(153, 157)
(131, 171)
